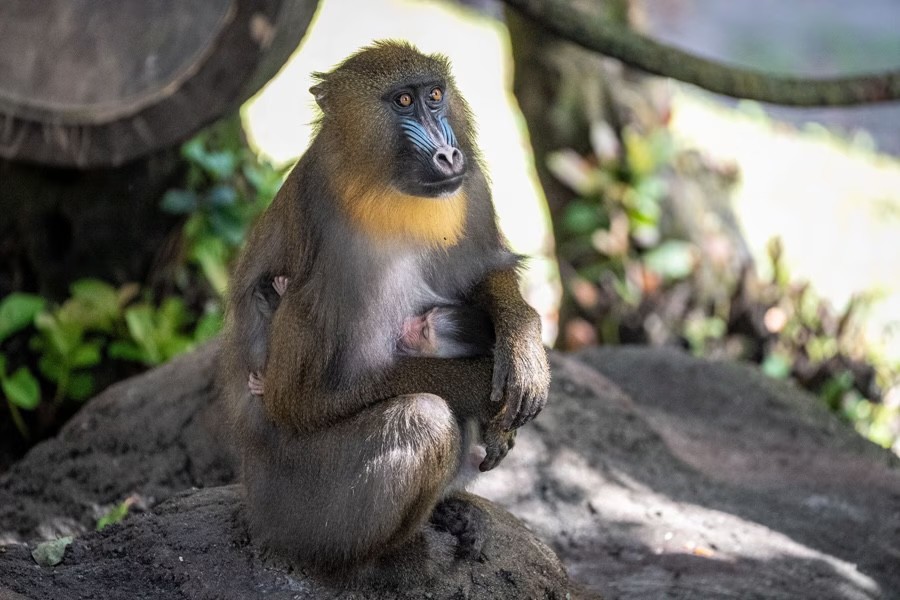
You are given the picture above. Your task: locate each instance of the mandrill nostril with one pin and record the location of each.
(449, 160)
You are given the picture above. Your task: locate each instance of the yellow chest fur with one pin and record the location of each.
(386, 214)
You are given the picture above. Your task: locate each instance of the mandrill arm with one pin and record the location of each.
(521, 377)
(296, 397)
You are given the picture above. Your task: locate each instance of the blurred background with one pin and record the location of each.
(135, 158)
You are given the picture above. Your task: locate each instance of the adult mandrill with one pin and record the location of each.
(353, 445)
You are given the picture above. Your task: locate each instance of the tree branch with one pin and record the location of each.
(636, 50)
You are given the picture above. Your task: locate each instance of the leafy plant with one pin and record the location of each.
(227, 186)
(20, 388)
(158, 334)
(68, 342)
(611, 234)
(633, 276)
(51, 354)
(115, 514)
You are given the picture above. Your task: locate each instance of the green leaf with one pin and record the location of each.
(210, 254)
(776, 366)
(96, 290)
(50, 554)
(651, 189)
(194, 149)
(63, 335)
(220, 165)
(22, 389)
(673, 259)
(171, 315)
(51, 367)
(639, 153)
(264, 178)
(122, 350)
(114, 515)
(222, 195)
(580, 218)
(179, 202)
(94, 304)
(208, 326)
(228, 226)
(86, 355)
(81, 386)
(17, 311)
(140, 325)
(175, 345)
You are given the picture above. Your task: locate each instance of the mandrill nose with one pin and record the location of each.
(448, 160)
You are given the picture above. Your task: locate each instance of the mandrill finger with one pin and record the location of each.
(530, 408)
(495, 451)
(490, 461)
(521, 416)
(498, 382)
(539, 402)
(513, 407)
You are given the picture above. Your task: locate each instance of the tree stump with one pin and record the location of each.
(89, 84)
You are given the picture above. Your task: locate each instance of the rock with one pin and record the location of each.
(152, 435)
(670, 476)
(650, 473)
(196, 546)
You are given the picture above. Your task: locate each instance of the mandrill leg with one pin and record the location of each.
(361, 488)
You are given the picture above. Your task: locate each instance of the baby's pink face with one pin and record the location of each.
(417, 335)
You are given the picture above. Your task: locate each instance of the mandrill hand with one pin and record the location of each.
(496, 444)
(521, 374)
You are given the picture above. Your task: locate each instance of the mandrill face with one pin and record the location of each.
(433, 163)
(407, 120)
(398, 143)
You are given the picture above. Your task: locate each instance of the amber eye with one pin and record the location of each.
(437, 94)
(405, 100)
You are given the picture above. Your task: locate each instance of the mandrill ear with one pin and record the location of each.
(318, 92)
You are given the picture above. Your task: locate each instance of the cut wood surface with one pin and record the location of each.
(86, 83)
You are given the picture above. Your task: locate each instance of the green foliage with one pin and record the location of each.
(17, 312)
(51, 553)
(69, 342)
(611, 233)
(155, 333)
(114, 515)
(20, 388)
(633, 275)
(227, 186)
(53, 354)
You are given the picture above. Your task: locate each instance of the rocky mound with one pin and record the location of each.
(650, 473)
